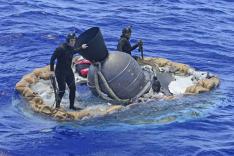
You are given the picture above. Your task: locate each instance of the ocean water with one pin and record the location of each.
(199, 33)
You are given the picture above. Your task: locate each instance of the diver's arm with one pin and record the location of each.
(52, 59)
(130, 48)
(76, 50)
(135, 46)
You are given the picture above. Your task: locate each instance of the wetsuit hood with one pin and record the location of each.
(70, 36)
(126, 31)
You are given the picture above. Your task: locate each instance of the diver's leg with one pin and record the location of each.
(70, 80)
(61, 85)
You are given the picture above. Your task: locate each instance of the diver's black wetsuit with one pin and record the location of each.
(63, 71)
(125, 46)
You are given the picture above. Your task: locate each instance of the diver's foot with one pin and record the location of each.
(75, 108)
(57, 106)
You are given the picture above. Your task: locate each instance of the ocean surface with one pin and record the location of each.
(198, 32)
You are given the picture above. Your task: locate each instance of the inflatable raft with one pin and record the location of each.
(36, 88)
(116, 78)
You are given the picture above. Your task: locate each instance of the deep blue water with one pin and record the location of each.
(199, 33)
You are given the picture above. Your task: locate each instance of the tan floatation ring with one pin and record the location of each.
(203, 86)
(38, 105)
(161, 62)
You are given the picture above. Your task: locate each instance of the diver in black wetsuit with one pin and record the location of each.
(63, 70)
(124, 43)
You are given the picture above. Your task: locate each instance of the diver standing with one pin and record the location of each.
(63, 70)
(124, 43)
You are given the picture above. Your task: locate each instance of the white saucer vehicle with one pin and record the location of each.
(113, 82)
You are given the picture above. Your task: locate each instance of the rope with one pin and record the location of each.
(100, 93)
